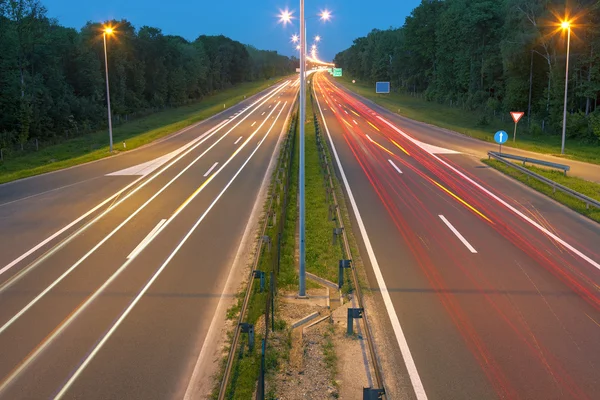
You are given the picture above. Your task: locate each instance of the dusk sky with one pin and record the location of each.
(250, 22)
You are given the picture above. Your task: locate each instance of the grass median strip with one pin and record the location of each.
(468, 122)
(582, 186)
(94, 146)
(246, 364)
(322, 257)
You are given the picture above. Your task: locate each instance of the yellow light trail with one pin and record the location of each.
(354, 112)
(373, 126)
(380, 146)
(461, 200)
(400, 147)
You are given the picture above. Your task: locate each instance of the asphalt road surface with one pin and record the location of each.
(492, 290)
(113, 274)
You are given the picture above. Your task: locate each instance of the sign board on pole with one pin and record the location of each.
(516, 115)
(382, 87)
(297, 69)
(330, 70)
(501, 137)
(337, 72)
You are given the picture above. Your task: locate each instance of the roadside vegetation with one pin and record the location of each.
(322, 256)
(141, 131)
(582, 186)
(464, 65)
(246, 364)
(418, 108)
(53, 85)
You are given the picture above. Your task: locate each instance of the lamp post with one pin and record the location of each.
(108, 31)
(566, 25)
(286, 17)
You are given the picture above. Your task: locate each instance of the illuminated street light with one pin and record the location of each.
(325, 15)
(298, 47)
(295, 38)
(285, 17)
(565, 25)
(317, 38)
(108, 31)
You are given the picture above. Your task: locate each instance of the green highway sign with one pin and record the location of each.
(330, 70)
(337, 72)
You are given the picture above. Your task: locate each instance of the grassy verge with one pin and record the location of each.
(469, 123)
(582, 186)
(322, 257)
(136, 133)
(246, 365)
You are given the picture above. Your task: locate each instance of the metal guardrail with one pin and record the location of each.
(555, 186)
(379, 390)
(279, 183)
(563, 167)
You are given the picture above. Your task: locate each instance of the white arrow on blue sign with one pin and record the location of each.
(501, 137)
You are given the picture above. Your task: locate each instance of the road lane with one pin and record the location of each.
(509, 321)
(52, 365)
(52, 201)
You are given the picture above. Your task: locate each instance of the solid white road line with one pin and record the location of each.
(146, 240)
(411, 367)
(240, 138)
(125, 313)
(210, 169)
(204, 138)
(458, 235)
(63, 230)
(57, 331)
(551, 235)
(253, 123)
(192, 392)
(395, 166)
(114, 231)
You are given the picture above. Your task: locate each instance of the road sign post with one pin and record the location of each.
(516, 116)
(501, 137)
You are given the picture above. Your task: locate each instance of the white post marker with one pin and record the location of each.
(516, 116)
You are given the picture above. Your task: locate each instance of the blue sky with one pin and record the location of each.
(250, 22)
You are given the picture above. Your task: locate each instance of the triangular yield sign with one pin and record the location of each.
(516, 115)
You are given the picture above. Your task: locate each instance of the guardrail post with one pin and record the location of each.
(343, 264)
(260, 391)
(353, 313)
(332, 210)
(249, 329)
(373, 394)
(266, 239)
(260, 275)
(336, 233)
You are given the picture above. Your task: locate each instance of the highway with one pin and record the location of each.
(115, 275)
(492, 290)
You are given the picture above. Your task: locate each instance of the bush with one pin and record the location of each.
(577, 126)
(594, 125)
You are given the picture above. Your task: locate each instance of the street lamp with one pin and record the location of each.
(286, 17)
(317, 38)
(566, 25)
(108, 31)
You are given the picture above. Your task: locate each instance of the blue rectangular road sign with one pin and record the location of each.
(382, 87)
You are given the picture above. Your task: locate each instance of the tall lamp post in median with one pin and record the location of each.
(566, 25)
(286, 17)
(108, 31)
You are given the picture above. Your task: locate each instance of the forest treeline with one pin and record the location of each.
(493, 56)
(52, 77)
